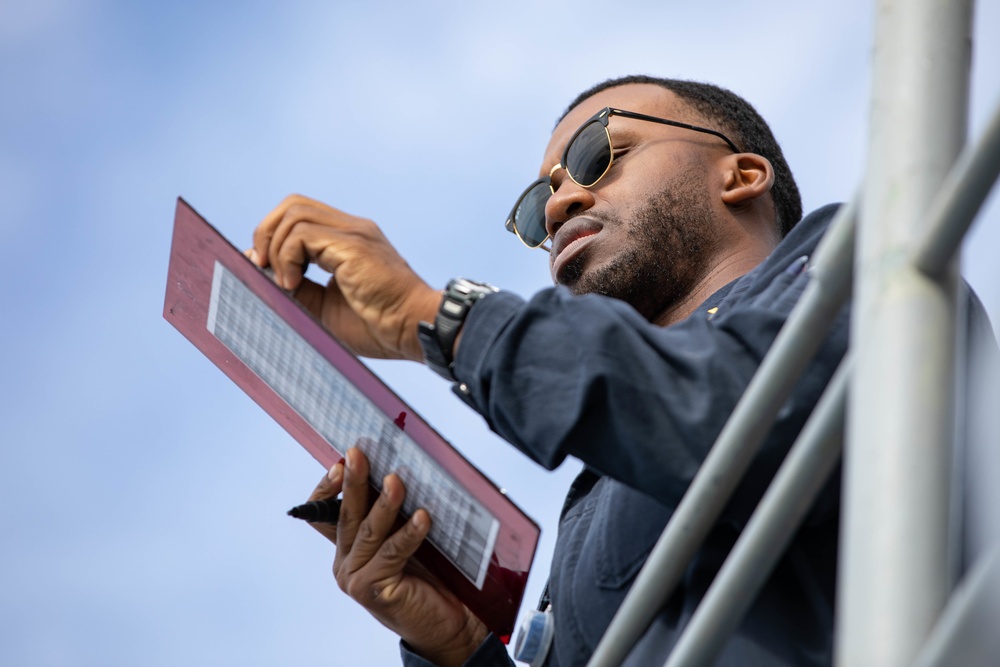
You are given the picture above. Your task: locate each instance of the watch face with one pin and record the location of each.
(468, 290)
(438, 340)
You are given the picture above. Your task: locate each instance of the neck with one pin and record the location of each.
(725, 270)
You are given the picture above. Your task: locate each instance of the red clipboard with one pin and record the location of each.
(287, 362)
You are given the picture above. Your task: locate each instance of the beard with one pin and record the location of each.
(670, 239)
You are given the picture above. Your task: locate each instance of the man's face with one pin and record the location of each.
(647, 232)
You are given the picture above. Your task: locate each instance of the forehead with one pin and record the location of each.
(644, 98)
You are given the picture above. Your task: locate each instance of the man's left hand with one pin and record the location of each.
(373, 300)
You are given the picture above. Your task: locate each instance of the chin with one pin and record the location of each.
(577, 274)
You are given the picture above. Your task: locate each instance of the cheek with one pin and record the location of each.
(622, 200)
(671, 178)
(641, 180)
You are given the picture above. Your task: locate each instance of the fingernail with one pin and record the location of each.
(419, 521)
(336, 472)
(254, 257)
(349, 460)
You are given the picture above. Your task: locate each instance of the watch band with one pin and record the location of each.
(438, 339)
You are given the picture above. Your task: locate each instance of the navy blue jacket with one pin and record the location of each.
(640, 406)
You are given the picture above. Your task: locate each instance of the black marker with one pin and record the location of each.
(318, 511)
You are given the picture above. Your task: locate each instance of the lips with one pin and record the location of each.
(570, 240)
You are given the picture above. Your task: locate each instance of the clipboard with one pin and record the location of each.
(481, 544)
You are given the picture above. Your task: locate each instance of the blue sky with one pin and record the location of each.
(142, 495)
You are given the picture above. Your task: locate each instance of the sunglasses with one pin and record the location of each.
(587, 158)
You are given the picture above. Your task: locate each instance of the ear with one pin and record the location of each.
(748, 176)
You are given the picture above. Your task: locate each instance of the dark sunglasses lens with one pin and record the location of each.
(589, 154)
(529, 214)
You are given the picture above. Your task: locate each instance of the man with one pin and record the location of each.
(677, 256)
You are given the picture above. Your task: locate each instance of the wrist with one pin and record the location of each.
(459, 648)
(439, 339)
(424, 309)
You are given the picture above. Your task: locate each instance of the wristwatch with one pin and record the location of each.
(438, 339)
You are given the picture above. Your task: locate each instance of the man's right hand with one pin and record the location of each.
(372, 566)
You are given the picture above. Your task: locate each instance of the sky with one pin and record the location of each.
(142, 494)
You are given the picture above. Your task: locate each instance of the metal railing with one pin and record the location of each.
(901, 372)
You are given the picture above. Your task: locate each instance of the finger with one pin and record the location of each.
(265, 230)
(331, 484)
(310, 294)
(394, 553)
(305, 232)
(329, 487)
(354, 502)
(295, 212)
(295, 245)
(377, 526)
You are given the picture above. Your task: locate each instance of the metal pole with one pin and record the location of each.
(723, 468)
(894, 569)
(762, 543)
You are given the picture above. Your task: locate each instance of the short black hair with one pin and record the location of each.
(738, 120)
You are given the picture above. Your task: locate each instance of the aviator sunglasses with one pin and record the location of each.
(587, 158)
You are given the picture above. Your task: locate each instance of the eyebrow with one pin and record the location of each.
(632, 135)
(626, 134)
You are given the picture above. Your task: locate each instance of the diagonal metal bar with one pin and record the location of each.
(720, 473)
(965, 634)
(799, 480)
(958, 201)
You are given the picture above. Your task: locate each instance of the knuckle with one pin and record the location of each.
(261, 234)
(384, 501)
(355, 589)
(371, 230)
(391, 551)
(296, 210)
(288, 252)
(365, 532)
(368, 593)
(347, 517)
(343, 581)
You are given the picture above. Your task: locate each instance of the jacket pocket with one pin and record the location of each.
(626, 525)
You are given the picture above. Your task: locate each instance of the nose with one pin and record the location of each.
(568, 200)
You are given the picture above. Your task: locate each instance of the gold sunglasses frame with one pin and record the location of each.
(603, 117)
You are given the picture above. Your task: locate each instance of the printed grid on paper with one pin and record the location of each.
(461, 528)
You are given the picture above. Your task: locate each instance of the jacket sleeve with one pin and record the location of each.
(491, 653)
(587, 376)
